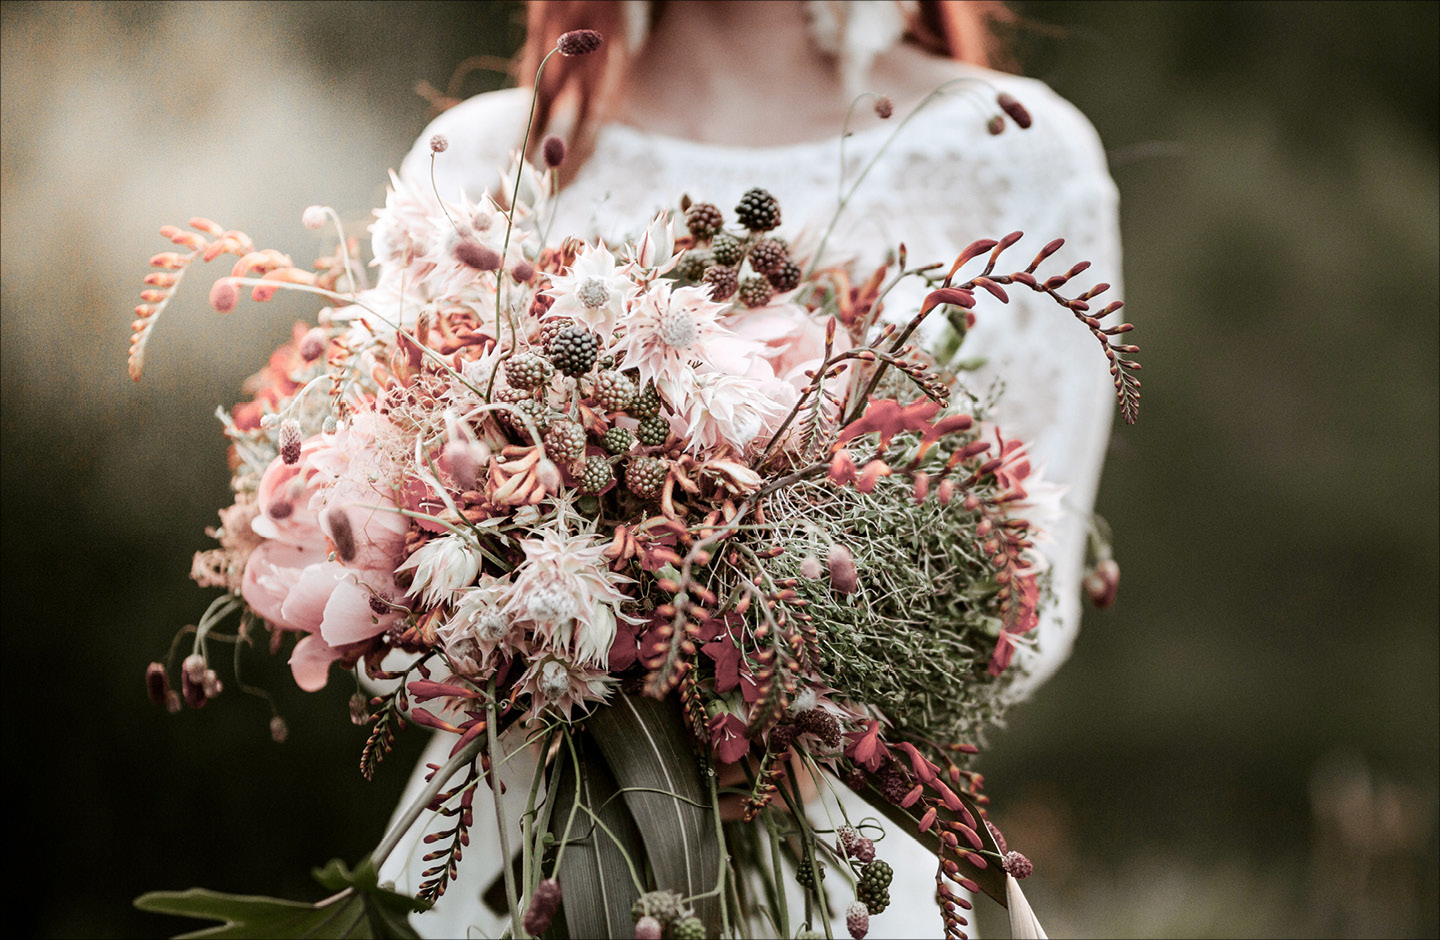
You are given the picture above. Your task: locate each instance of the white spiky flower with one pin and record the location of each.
(594, 292)
(723, 409)
(668, 329)
(566, 592)
(557, 685)
(479, 627)
(442, 567)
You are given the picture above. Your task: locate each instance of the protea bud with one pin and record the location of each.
(543, 904)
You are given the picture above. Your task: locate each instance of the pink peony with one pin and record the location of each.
(326, 501)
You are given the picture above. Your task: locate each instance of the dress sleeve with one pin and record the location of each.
(482, 132)
(1050, 181)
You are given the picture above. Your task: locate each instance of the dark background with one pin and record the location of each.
(1246, 745)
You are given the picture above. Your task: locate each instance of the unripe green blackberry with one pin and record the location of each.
(618, 440)
(653, 431)
(872, 888)
(722, 282)
(647, 403)
(595, 474)
(539, 412)
(756, 292)
(665, 906)
(767, 256)
(805, 874)
(573, 350)
(564, 440)
(728, 249)
(645, 475)
(758, 211)
(689, 928)
(694, 262)
(786, 277)
(613, 390)
(528, 370)
(704, 219)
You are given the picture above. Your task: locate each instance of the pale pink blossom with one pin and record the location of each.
(568, 596)
(594, 292)
(670, 328)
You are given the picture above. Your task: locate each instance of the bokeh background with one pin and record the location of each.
(1245, 746)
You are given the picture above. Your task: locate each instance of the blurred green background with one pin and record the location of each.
(1245, 746)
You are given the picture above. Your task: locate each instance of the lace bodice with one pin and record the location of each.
(942, 182)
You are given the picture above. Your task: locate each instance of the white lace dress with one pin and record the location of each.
(941, 184)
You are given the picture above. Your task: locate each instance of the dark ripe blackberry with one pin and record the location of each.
(758, 211)
(647, 403)
(688, 928)
(645, 475)
(564, 440)
(528, 370)
(551, 328)
(756, 292)
(704, 219)
(694, 262)
(722, 282)
(729, 250)
(767, 256)
(653, 431)
(822, 724)
(786, 277)
(595, 474)
(805, 873)
(613, 390)
(665, 906)
(573, 350)
(618, 441)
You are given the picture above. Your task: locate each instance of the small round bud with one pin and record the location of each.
(212, 684)
(192, 680)
(647, 928)
(313, 217)
(543, 905)
(329, 424)
(439, 143)
(553, 150)
(857, 920)
(843, 576)
(523, 272)
(194, 667)
(1018, 865)
(810, 568)
(279, 730)
(224, 295)
(579, 42)
(1102, 583)
(1015, 109)
(359, 709)
(996, 125)
(475, 255)
(157, 683)
(884, 107)
(313, 345)
(290, 442)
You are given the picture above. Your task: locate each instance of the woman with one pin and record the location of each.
(713, 98)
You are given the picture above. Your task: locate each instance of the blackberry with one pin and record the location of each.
(704, 219)
(758, 211)
(767, 256)
(690, 928)
(645, 475)
(613, 390)
(857, 920)
(595, 475)
(805, 874)
(722, 282)
(822, 724)
(618, 441)
(528, 370)
(564, 440)
(665, 906)
(539, 412)
(653, 431)
(647, 403)
(573, 350)
(728, 249)
(551, 328)
(786, 277)
(694, 262)
(756, 292)
(872, 888)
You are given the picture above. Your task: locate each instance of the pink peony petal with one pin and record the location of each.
(271, 574)
(311, 663)
(349, 617)
(304, 608)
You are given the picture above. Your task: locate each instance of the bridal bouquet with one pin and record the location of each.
(680, 524)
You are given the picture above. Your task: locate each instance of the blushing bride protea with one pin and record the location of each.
(567, 592)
